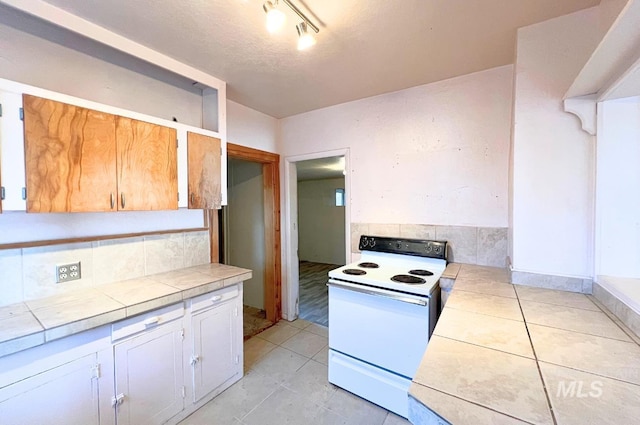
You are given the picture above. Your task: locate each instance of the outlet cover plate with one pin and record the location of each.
(68, 272)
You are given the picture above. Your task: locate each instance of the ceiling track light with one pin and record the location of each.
(275, 20)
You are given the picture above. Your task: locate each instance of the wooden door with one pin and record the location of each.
(149, 376)
(204, 164)
(147, 166)
(70, 157)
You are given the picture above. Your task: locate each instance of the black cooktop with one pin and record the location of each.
(368, 265)
(355, 272)
(405, 278)
(420, 272)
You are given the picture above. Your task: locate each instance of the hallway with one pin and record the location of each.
(313, 294)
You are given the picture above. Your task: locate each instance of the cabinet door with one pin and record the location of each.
(204, 157)
(149, 376)
(70, 157)
(147, 166)
(216, 347)
(12, 151)
(66, 395)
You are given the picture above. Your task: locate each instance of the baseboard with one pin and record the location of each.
(627, 315)
(563, 283)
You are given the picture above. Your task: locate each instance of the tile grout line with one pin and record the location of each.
(589, 373)
(535, 355)
(471, 402)
(484, 346)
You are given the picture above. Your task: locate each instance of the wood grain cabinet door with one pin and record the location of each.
(70, 157)
(204, 163)
(147, 166)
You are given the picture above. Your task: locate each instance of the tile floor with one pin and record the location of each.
(285, 382)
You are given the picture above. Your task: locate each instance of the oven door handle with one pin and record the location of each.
(385, 294)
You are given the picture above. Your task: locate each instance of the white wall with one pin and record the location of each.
(321, 236)
(43, 55)
(553, 163)
(245, 226)
(248, 127)
(436, 153)
(618, 188)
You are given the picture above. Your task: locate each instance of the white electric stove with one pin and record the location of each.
(382, 311)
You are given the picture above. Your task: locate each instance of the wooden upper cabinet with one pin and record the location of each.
(81, 160)
(70, 157)
(147, 166)
(204, 163)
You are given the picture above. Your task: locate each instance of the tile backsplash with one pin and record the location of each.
(29, 273)
(485, 246)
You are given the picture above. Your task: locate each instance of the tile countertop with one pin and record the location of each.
(509, 354)
(32, 323)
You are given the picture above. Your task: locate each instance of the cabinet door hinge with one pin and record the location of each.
(184, 391)
(95, 371)
(24, 193)
(178, 196)
(21, 114)
(177, 143)
(0, 109)
(2, 192)
(182, 334)
(237, 359)
(235, 311)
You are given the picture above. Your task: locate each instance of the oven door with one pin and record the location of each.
(384, 328)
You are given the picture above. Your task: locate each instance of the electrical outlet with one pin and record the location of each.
(67, 272)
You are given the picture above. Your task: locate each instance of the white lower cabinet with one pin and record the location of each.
(133, 372)
(64, 395)
(217, 340)
(149, 380)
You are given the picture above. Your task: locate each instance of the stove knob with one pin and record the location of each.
(429, 248)
(372, 242)
(438, 249)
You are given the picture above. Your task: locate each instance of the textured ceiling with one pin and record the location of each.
(365, 47)
(321, 168)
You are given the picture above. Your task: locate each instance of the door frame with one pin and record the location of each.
(272, 244)
(292, 276)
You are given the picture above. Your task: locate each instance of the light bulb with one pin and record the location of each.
(305, 39)
(275, 18)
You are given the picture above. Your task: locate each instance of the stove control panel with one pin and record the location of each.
(417, 247)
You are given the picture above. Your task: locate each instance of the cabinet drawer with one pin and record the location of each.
(146, 321)
(214, 298)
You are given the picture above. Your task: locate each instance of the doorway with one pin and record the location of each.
(251, 228)
(321, 237)
(316, 238)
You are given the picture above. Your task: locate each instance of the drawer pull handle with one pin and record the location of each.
(216, 298)
(152, 321)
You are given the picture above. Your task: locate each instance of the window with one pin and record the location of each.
(339, 197)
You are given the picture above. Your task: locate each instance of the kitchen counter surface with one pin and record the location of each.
(509, 354)
(32, 323)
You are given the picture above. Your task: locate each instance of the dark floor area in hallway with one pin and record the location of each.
(254, 321)
(313, 293)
